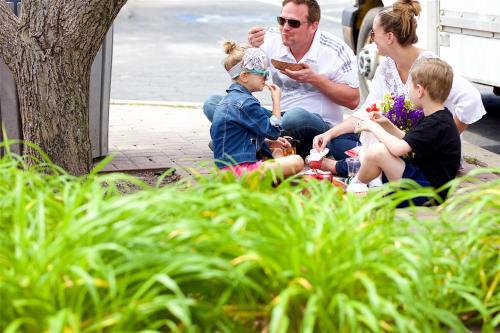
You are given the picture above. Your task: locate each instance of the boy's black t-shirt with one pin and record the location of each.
(436, 143)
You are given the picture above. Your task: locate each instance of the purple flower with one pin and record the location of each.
(403, 114)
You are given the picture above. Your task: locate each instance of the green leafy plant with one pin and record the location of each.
(242, 255)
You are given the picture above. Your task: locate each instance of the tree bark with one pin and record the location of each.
(50, 50)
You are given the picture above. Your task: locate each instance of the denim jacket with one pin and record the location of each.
(239, 127)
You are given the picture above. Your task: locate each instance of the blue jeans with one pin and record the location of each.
(210, 105)
(413, 172)
(298, 123)
(303, 125)
(338, 146)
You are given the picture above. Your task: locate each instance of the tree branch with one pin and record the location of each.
(91, 18)
(9, 35)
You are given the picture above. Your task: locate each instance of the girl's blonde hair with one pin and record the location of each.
(400, 19)
(235, 53)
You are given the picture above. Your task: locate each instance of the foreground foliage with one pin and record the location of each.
(76, 255)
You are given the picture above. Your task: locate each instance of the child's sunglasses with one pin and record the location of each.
(293, 23)
(265, 74)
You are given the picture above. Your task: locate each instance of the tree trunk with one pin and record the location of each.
(50, 50)
(53, 96)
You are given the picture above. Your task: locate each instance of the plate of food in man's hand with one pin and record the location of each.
(281, 65)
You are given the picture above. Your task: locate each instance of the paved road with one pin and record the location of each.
(169, 51)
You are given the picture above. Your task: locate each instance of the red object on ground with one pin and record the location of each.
(319, 174)
(353, 152)
(315, 164)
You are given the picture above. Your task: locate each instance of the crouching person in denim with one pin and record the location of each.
(241, 128)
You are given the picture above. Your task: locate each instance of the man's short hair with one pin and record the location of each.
(435, 75)
(314, 12)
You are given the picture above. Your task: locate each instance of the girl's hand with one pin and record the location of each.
(320, 141)
(275, 92)
(281, 143)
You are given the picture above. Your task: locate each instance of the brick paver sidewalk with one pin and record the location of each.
(144, 137)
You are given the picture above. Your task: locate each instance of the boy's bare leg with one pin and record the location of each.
(288, 165)
(376, 159)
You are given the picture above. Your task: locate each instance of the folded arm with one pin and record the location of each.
(396, 145)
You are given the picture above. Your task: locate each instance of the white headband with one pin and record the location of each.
(253, 59)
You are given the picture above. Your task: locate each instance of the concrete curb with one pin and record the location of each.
(185, 105)
(485, 157)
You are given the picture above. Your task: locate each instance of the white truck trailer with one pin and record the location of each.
(465, 33)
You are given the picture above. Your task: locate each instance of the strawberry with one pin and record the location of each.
(372, 108)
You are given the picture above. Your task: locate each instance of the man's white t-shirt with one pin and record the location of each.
(328, 56)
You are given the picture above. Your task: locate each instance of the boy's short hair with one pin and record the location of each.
(435, 75)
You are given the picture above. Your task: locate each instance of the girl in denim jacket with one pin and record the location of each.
(241, 127)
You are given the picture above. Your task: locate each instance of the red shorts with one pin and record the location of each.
(240, 169)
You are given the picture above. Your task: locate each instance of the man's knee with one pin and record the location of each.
(209, 106)
(294, 117)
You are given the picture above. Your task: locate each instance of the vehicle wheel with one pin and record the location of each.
(366, 52)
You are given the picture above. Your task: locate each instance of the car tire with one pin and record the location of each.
(364, 39)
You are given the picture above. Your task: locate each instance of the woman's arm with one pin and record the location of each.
(465, 103)
(460, 125)
(346, 126)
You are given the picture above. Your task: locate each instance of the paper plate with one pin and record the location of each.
(281, 65)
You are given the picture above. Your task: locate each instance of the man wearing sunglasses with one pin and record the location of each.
(312, 97)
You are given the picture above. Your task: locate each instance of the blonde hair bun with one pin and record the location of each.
(229, 46)
(407, 7)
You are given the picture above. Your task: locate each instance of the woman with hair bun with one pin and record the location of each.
(394, 32)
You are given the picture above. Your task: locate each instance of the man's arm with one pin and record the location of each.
(338, 93)
(397, 146)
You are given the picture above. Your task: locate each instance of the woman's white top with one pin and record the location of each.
(464, 100)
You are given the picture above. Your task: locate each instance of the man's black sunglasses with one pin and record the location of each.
(293, 23)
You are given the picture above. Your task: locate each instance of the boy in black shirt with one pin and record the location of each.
(434, 141)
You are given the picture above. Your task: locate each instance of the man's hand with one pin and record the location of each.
(320, 141)
(256, 36)
(306, 75)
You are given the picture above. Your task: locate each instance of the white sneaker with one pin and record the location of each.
(377, 182)
(357, 188)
